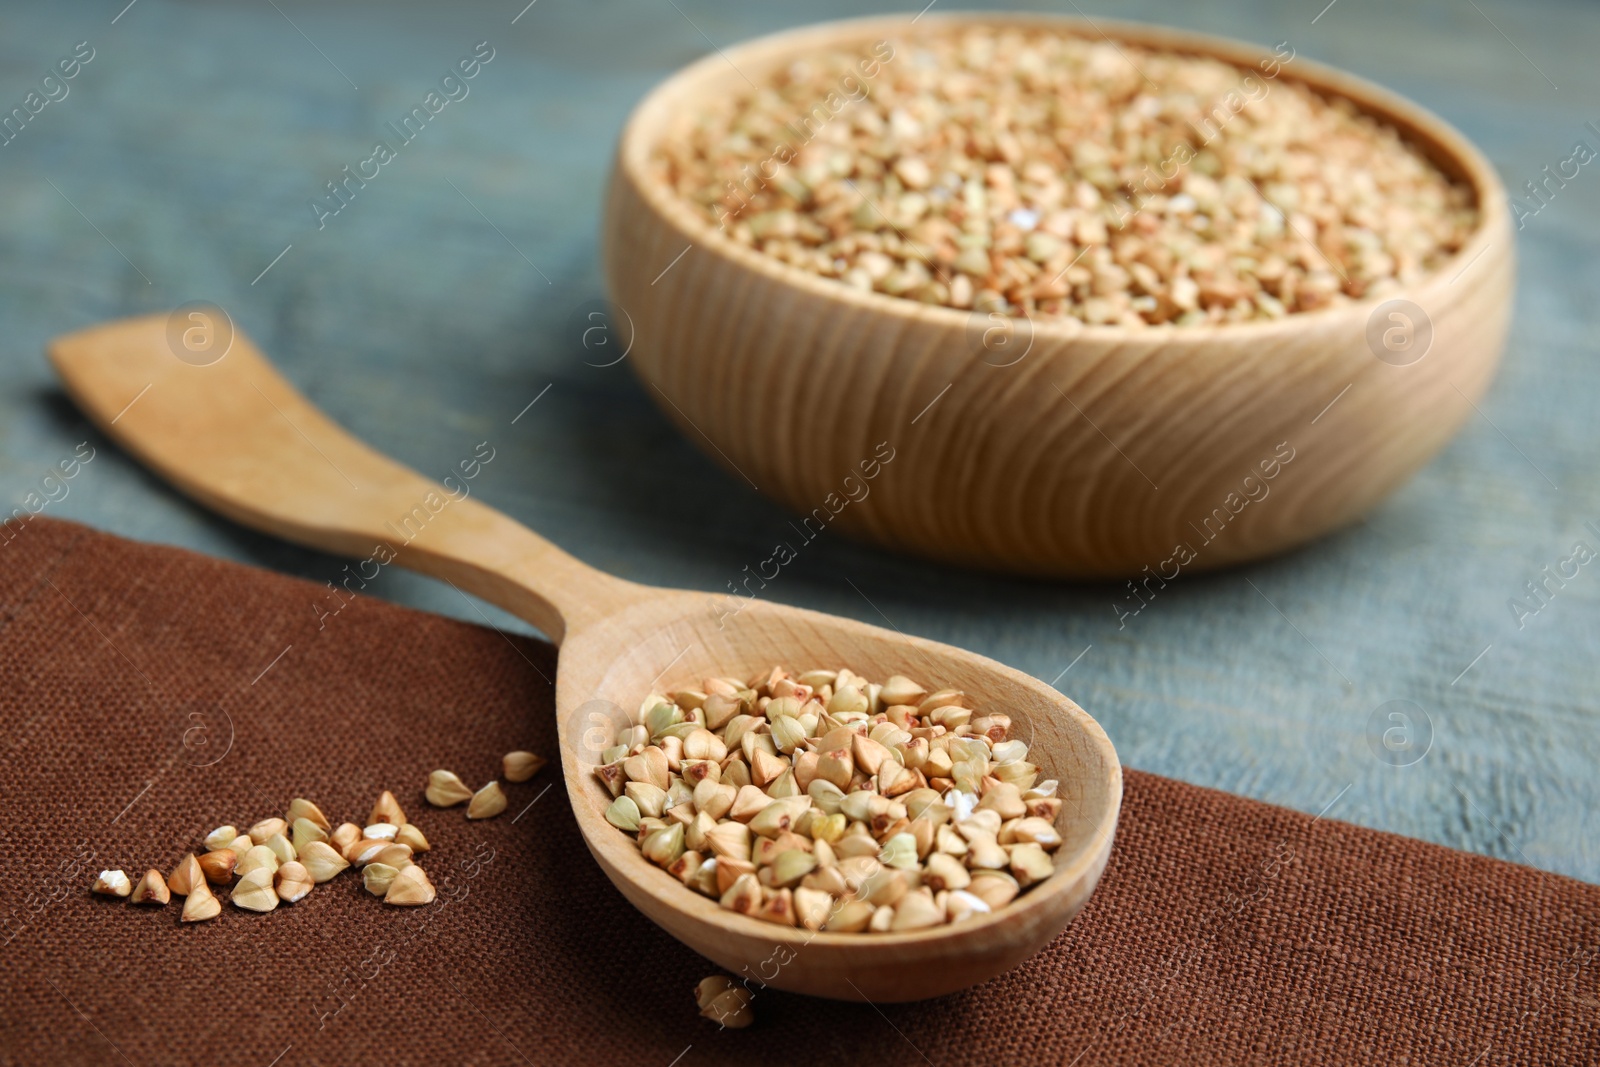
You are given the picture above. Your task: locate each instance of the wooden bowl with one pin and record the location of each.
(1101, 451)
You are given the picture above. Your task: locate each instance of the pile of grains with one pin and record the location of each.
(278, 860)
(832, 803)
(1036, 173)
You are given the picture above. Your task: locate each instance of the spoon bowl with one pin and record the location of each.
(234, 435)
(699, 636)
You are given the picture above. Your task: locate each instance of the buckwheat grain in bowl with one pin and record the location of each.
(1063, 421)
(830, 802)
(1034, 172)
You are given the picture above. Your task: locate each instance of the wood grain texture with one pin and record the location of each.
(196, 136)
(1095, 451)
(235, 436)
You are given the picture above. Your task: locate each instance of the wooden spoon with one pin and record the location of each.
(237, 437)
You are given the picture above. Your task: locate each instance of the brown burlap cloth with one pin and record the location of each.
(150, 694)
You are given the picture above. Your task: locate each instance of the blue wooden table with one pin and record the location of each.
(180, 162)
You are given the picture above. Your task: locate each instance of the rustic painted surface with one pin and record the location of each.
(451, 293)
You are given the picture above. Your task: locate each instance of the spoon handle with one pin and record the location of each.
(197, 402)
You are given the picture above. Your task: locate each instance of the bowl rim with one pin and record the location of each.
(1445, 146)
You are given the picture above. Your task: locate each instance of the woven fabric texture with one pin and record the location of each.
(148, 694)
